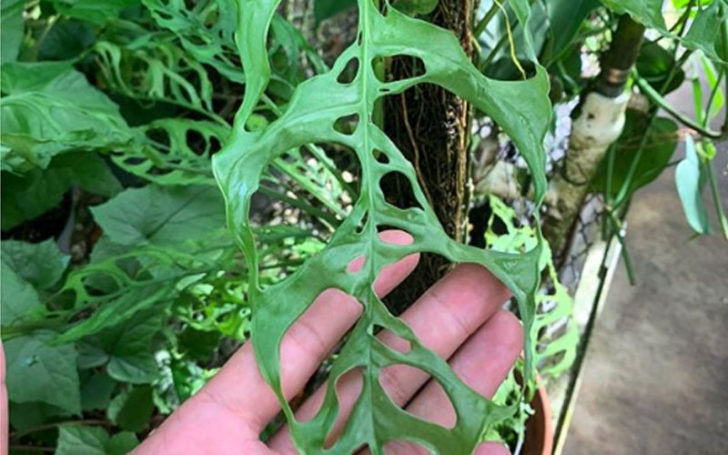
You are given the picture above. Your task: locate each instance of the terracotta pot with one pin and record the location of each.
(539, 427)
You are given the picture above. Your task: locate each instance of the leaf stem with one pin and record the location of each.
(661, 102)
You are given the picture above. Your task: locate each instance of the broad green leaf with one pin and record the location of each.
(94, 11)
(565, 18)
(51, 108)
(129, 347)
(705, 31)
(96, 392)
(11, 22)
(647, 12)
(81, 440)
(32, 414)
(41, 264)
(324, 9)
(160, 215)
(132, 409)
(36, 191)
(66, 39)
(121, 443)
(86, 440)
(654, 63)
(37, 371)
(309, 118)
(659, 148)
(19, 299)
(690, 182)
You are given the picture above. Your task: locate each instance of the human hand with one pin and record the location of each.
(459, 318)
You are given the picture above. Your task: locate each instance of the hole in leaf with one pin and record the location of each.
(348, 390)
(356, 265)
(433, 405)
(400, 382)
(398, 191)
(392, 340)
(381, 157)
(348, 74)
(304, 195)
(347, 124)
(402, 67)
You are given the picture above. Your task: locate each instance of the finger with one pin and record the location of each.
(482, 363)
(238, 392)
(460, 303)
(406, 448)
(491, 448)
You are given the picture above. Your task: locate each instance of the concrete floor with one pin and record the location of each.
(655, 379)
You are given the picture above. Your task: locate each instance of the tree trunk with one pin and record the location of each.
(598, 125)
(431, 127)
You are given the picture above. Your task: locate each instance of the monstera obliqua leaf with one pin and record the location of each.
(522, 110)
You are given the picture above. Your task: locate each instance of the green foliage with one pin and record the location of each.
(690, 182)
(314, 108)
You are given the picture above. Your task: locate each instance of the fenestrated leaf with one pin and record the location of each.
(41, 264)
(50, 108)
(11, 17)
(309, 118)
(19, 299)
(690, 182)
(161, 215)
(37, 371)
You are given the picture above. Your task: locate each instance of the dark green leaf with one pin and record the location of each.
(81, 440)
(121, 443)
(96, 392)
(132, 409)
(690, 181)
(66, 40)
(11, 15)
(41, 264)
(659, 148)
(705, 31)
(37, 371)
(654, 63)
(161, 215)
(129, 347)
(647, 12)
(33, 193)
(94, 11)
(324, 9)
(19, 299)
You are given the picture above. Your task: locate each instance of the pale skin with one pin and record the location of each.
(459, 318)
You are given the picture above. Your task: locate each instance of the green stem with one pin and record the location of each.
(708, 169)
(625, 251)
(658, 100)
(478, 30)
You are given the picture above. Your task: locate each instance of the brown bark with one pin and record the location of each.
(431, 127)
